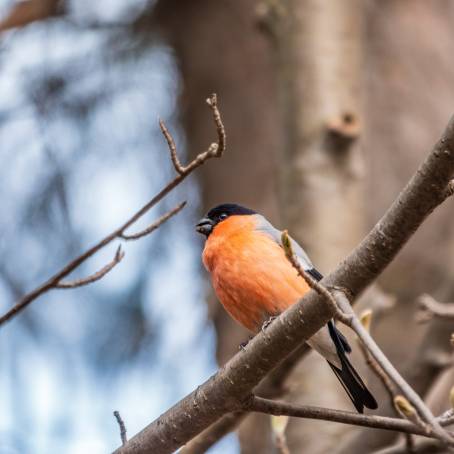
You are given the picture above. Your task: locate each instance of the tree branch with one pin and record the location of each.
(96, 276)
(152, 227)
(211, 435)
(390, 370)
(366, 319)
(230, 386)
(215, 150)
(273, 407)
(272, 386)
(430, 308)
(122, 427)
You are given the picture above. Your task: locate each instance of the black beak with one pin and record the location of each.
(204, 226)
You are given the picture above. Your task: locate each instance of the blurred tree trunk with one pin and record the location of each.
(220, 49)
(319, 55)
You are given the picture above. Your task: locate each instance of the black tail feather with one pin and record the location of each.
(347, 375)
(354, 386)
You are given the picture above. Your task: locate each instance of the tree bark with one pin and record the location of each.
(319, 54)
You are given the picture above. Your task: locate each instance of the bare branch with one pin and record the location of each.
(122, 427)
(273, 407)
(230, 386)
(96, 276)
(213, 434)
(172, 148)
(429, 308)
(215, 150)
(366, 319)
(152, 227)
(390, 370)
(28, 11)
(447, 418)
(271, 387)
(409, 412)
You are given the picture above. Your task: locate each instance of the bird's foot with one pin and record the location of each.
(268, 322)
(243, 345)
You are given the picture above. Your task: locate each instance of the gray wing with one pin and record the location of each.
(322, 341)
(266, 227)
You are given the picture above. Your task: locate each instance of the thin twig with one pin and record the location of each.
(407, 411)
(390, 370)
(152, 227)
(122, 427)
(366, 319)
(430, 307)
(409, 443)
(278, 408)
(311, 282)
(447, 418)
(96, 276)
(172, 148)
(215, 150)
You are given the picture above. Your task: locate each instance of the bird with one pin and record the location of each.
(255, 282)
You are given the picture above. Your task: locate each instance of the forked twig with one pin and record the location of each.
(152, 227)
(96, 276)
(214, 150)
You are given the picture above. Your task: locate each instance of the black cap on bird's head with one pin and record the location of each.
(218, 214)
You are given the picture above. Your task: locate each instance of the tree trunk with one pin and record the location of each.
(319, 54)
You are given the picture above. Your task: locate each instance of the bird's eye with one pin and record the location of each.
(222, 216)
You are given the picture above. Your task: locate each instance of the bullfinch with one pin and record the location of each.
(254, 281)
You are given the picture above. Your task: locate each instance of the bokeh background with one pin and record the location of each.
(82, 85)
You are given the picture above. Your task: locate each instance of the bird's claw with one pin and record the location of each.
(243, 345)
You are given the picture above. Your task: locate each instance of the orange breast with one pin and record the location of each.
(250, 274)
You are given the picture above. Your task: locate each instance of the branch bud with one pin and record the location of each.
(451, 397)
(404, 407)
(279, 424)
(366, 318)
(286, 244)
